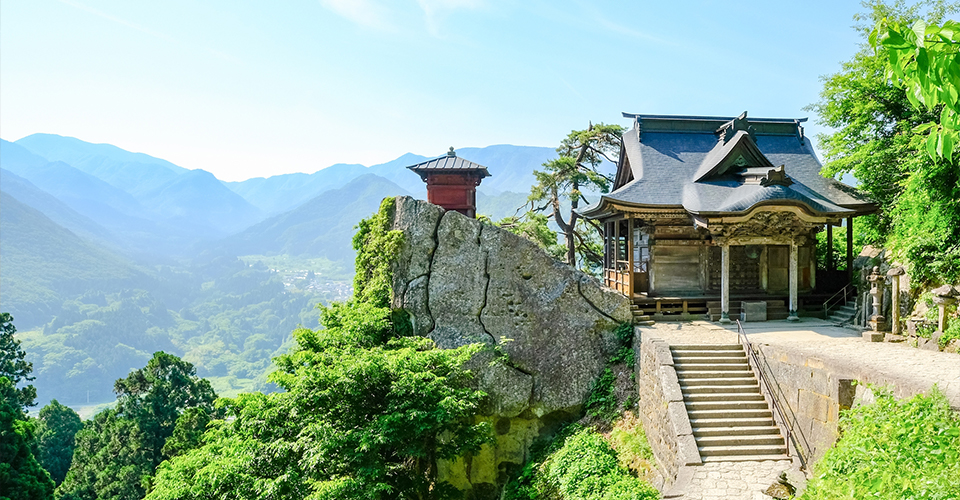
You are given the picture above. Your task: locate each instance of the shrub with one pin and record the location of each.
(893, 449)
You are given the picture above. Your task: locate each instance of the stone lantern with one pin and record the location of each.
(943, 297)
(876, 319)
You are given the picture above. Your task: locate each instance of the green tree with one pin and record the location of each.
(366, 412)
(57, 426)
(564, 178)
(14, 366)
(21, 476)
(116, 454)
(925, 58)
(875, 138)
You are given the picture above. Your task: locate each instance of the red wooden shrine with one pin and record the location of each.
(452, 182)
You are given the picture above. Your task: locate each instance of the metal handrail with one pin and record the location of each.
(826, 304)
(742, 335)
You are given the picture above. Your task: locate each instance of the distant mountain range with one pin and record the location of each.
(134, 209)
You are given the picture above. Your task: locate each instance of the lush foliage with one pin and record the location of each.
(365, 413)
(116, 453)
(563, 179)
(925, 59)
(14, 366)
(375, 245)
(21, 476)
(876, 139)
(56, 428)
(579, 464)
(893, 449)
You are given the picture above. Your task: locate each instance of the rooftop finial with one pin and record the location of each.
(451, 152)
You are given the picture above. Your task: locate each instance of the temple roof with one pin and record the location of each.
(713, 165)
(451, 163)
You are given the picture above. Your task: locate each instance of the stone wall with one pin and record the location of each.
(549, 327)
(814, 392)
(661, 408)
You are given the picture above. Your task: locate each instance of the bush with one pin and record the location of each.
(578, 465)
(893, 449)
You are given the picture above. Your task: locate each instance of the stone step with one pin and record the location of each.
(703, 353)
(702, 423)
(728, 389)
(737, 396)
(707, 347)
(753, 413)
(709, 367)
(726, 405)
(736, 431)
(644, 323)
(745, 458)
(698, 374)
(641, 317)
(718, 360)
(755, 450)
(741, 440)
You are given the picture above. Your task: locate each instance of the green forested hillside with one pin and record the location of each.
(41, 261)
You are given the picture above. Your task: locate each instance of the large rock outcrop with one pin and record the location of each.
(462, 281)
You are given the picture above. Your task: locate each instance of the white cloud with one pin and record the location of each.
(433, 11)
(366, 13)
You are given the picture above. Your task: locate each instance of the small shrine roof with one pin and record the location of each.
(449, 162)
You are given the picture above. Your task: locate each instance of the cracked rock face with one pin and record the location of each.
(464, 282)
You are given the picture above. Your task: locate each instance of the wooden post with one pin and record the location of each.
(849, 249)
(794, 282)
(725, 283)
(830, 263)
(630, 257)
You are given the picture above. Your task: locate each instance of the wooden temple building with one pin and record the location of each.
(707, 212)
(452, 182)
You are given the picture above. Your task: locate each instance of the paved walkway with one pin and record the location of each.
(734, 480)
(909, 369)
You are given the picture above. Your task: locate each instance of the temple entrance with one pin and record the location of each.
(778, 268)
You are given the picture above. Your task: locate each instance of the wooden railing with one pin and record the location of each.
(619, 278)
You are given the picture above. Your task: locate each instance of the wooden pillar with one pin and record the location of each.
(725, 283)
(630, 257)
(849, 249)
(794, 281)
(830, 263)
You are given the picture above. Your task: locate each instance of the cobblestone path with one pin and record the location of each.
(734, 480)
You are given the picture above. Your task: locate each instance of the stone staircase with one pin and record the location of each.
(843, 314)
(729, 416)
(639, 318)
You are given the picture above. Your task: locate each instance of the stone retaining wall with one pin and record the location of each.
(661, 408)
(813, 391)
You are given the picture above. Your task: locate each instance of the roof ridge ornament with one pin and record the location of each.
(730, 129)
(451, 152)
(776, 177)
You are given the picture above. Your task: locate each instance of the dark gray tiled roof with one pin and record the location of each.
(449, 162)
(667, 154)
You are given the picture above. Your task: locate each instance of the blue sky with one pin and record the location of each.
(245, 89)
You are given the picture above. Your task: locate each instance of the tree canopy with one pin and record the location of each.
(877, 133)
(117, 452)
(365, 411)
(56, 427)
(564, 179)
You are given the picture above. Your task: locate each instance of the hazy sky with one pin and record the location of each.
(245, 89)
